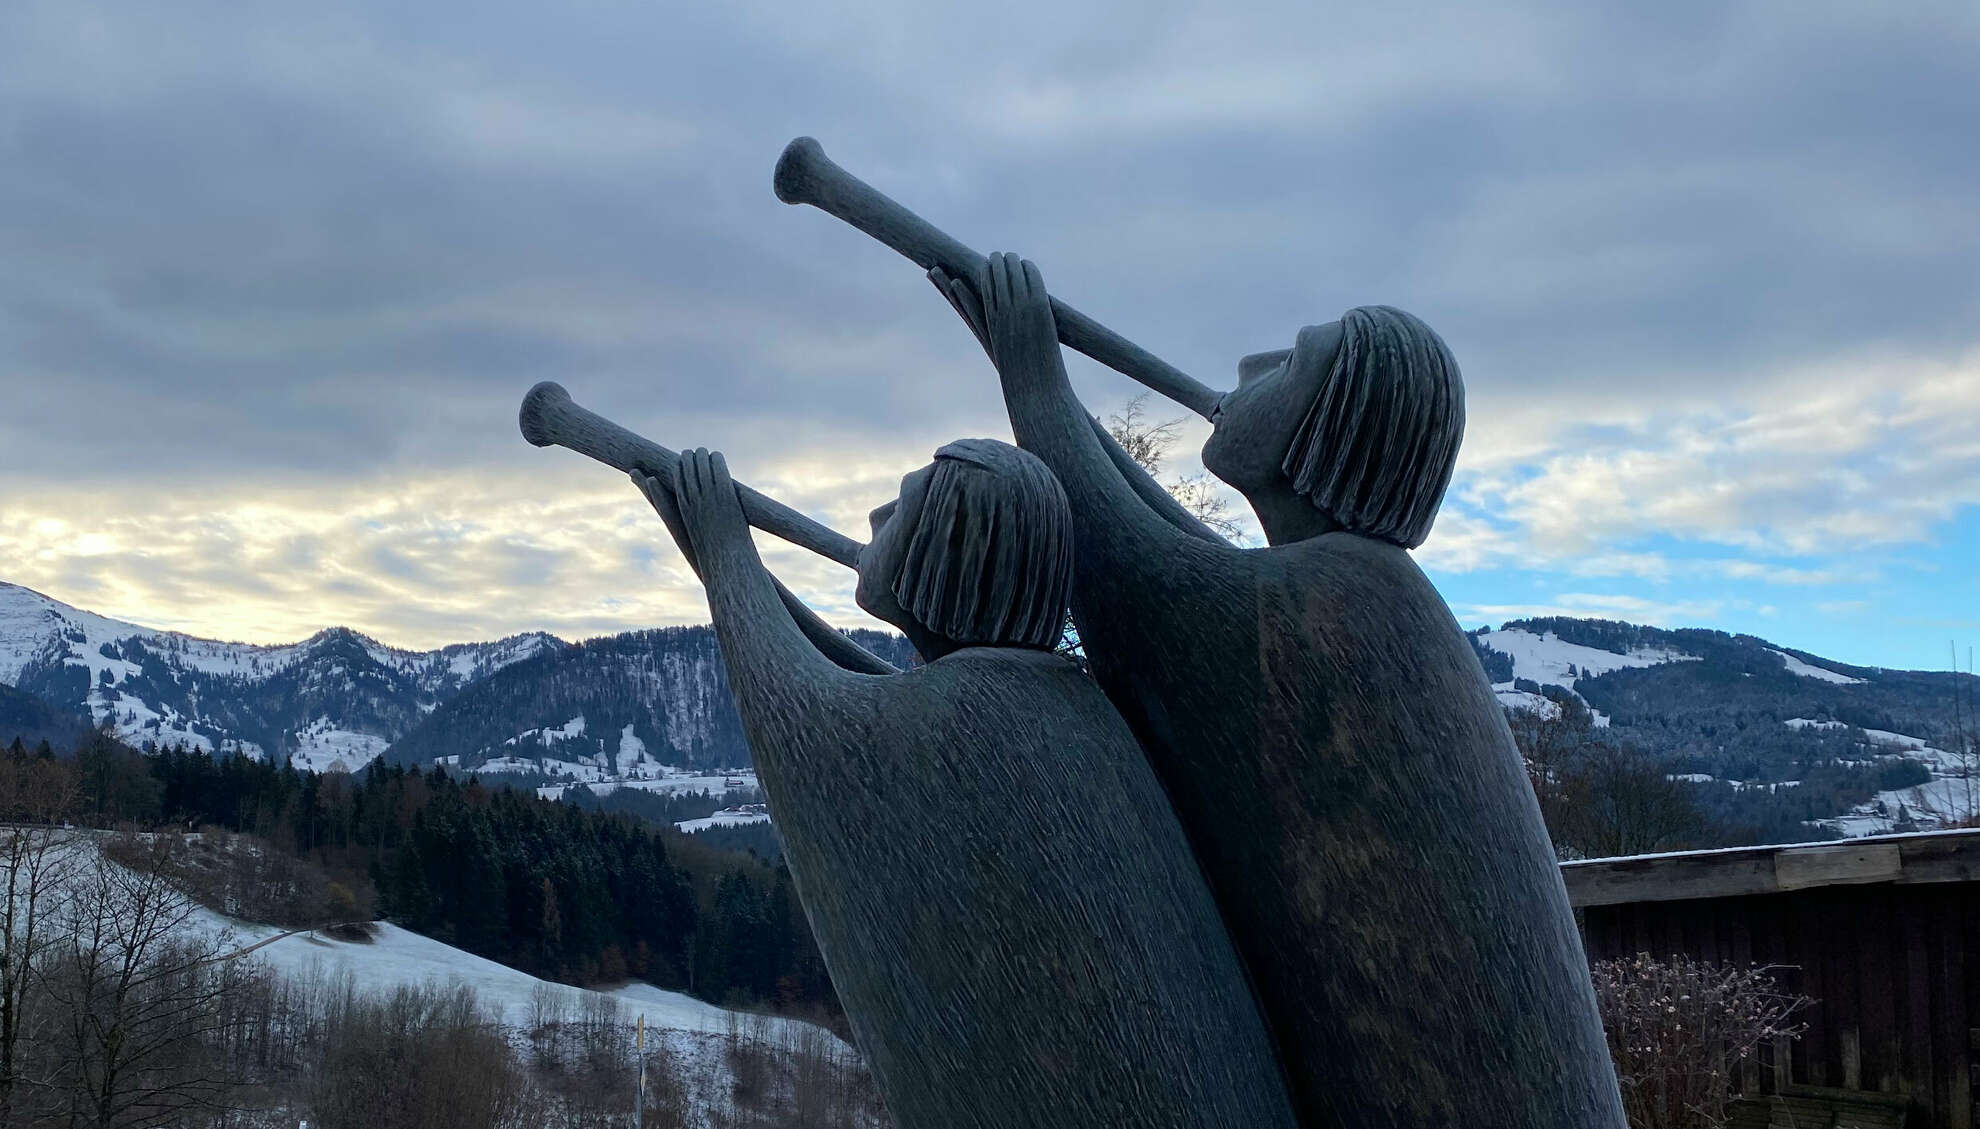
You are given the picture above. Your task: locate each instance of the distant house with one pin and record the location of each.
(1883, 933)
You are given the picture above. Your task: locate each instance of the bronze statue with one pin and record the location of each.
(1321, 724)
(1008, 908)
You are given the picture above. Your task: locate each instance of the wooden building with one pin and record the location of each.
(1876, 931)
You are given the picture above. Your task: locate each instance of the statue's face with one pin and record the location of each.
(1254, 424)
(892, 525)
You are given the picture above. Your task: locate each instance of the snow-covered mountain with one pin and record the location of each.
(652, 709)
(636, 708)
(616, 709)
(334, 700)
(1739, 714)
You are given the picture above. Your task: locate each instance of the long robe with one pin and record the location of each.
(1006, 903)
(1349, 784)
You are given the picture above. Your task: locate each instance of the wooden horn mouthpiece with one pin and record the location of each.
(805, 175)
(550, 418)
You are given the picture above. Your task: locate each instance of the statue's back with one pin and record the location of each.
(1353, 794)
(1008, 907)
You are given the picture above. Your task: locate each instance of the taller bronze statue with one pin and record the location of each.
(1322, 726)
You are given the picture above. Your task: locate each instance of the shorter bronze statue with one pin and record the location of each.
(1001, 892)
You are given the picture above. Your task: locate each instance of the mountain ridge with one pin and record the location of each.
(337, 696)
(652, 709)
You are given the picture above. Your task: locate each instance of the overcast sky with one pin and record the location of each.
(274, 277)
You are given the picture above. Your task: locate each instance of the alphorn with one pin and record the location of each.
(805, 175)
(549, 417)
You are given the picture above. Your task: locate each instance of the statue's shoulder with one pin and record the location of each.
(1338, 551)
(1015, 664)
(1007, 677)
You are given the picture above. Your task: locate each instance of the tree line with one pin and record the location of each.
(562, 893)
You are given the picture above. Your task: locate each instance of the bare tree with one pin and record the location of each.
(37, 856)
(1599, 797)
(1629, 803)
(143, 993)
(1148, 443)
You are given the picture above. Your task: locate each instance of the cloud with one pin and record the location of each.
(269, 273)
(1829, 461)
(573, 550)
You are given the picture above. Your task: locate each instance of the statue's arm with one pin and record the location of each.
(761, 639)
(829, 640)
(1010, 311)
(1150, 491)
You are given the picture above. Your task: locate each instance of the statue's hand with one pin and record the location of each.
(965, 303)
(1006, 306)
(660, 494)
(711, 512)
(1017, 312)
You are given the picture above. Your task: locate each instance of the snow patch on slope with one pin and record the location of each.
(1547, 658)
(1808, 670)
(732, 817)
(322, 747)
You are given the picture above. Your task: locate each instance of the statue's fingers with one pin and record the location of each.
(986, 287)
(718, 475)
(945, 286)
(648, 486)
(964, 299)
(1000, 278)
(685, 478)
(661, 494)
(1034, 283)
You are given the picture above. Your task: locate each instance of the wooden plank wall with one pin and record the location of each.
(1897, 1008)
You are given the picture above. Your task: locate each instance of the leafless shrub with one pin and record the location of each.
(245, 877)
(418, 1058)
(1679, 1029)
(794, 1075)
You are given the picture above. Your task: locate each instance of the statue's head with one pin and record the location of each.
(977, 551)
(1360, 421)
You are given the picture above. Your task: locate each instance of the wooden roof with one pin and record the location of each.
(1930, 856)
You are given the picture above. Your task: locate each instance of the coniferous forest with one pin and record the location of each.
(584, 897)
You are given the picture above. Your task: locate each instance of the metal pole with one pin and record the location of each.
(639, 1099)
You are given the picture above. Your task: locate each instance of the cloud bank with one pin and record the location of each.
(272, 280)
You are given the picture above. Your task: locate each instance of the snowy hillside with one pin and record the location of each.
(692, 1043)
(1743, 720)
(626, 709)
(334, 700)
(400, 957)
(1546, 658)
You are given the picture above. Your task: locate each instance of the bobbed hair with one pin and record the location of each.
(1376, 449)
(989, 558)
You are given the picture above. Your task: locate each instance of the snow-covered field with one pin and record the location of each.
(730, 818)
(398, 957)
(322, 747)
(1820, 674)
(1951, 796)
(1547, 658)
(693, 1038)
(665, 779)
